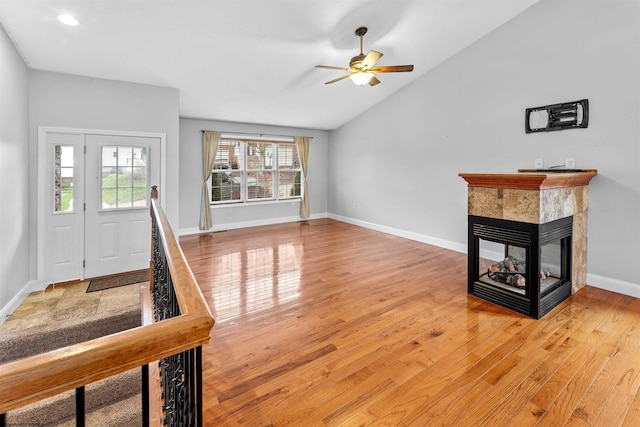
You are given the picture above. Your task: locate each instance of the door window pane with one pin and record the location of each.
(63, 178)
(124, 177)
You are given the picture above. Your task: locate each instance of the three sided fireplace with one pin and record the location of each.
(521, 266)
(527, 247)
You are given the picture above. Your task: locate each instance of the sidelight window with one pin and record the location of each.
(63, 178)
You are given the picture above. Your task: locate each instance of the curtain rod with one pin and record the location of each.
(262, 135)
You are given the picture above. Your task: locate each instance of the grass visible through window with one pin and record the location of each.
(126, 193)
(66, 199)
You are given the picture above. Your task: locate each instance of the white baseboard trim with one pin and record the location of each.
(435, 241)
(245, 224)
(614, 285)
(10, 307)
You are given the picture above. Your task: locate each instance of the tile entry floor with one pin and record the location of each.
(64, 301)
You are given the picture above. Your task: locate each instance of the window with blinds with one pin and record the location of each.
(250, 171)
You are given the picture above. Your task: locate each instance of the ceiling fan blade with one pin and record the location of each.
(370, 60)
(374, 81)
(392, 69)
(328, 67)
(338, 79)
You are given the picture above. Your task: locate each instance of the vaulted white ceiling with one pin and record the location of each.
(251, 60)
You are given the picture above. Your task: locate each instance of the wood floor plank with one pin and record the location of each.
(632, 417)
(623, 355)
(323, 323)
(496, 386)
(558, 382)
(621, 398)
(562, 407)
(441, 362)
(516, 399)
(447, 398)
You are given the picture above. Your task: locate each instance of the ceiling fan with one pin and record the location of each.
(361, 68)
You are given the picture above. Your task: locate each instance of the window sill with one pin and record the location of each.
(248, 204)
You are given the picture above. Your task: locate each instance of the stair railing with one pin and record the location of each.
(182, 325)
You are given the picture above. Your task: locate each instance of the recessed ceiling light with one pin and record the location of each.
(68, 20)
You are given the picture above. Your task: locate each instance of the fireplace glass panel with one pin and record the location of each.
(550, 266)
(506, 259)
(503, 266)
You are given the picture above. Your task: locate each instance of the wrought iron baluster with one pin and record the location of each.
(145, 396)
(180, 374)
(80, 407)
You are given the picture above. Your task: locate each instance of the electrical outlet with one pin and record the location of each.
(570, 163)
(538, 163)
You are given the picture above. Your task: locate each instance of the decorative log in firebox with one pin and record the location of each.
(527, 238)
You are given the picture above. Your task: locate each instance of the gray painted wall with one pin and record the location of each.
(234, 216)
(65, 100)
(397, 165)
(14, 172)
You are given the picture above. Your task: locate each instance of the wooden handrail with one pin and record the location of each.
(37, 377)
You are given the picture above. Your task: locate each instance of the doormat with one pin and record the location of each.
(115, 281)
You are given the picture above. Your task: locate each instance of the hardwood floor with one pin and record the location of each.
(324, 323)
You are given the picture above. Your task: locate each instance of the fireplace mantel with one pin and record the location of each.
(537, 197)
(530, 179)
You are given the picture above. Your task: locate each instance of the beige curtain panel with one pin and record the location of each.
(209, 147)
(302, 145)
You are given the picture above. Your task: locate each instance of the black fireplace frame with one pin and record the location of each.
(531, 237)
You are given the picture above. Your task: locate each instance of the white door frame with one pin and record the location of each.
(43, 192)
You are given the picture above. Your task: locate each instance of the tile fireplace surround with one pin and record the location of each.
(537, 197)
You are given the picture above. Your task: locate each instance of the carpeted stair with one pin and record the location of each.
(114, 401)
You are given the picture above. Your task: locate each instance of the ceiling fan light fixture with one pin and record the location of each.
(361, 78)
(362, 68)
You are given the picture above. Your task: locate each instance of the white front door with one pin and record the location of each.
(119, 170)
(94, 208)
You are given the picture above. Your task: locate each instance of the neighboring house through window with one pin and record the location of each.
(250, 171)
